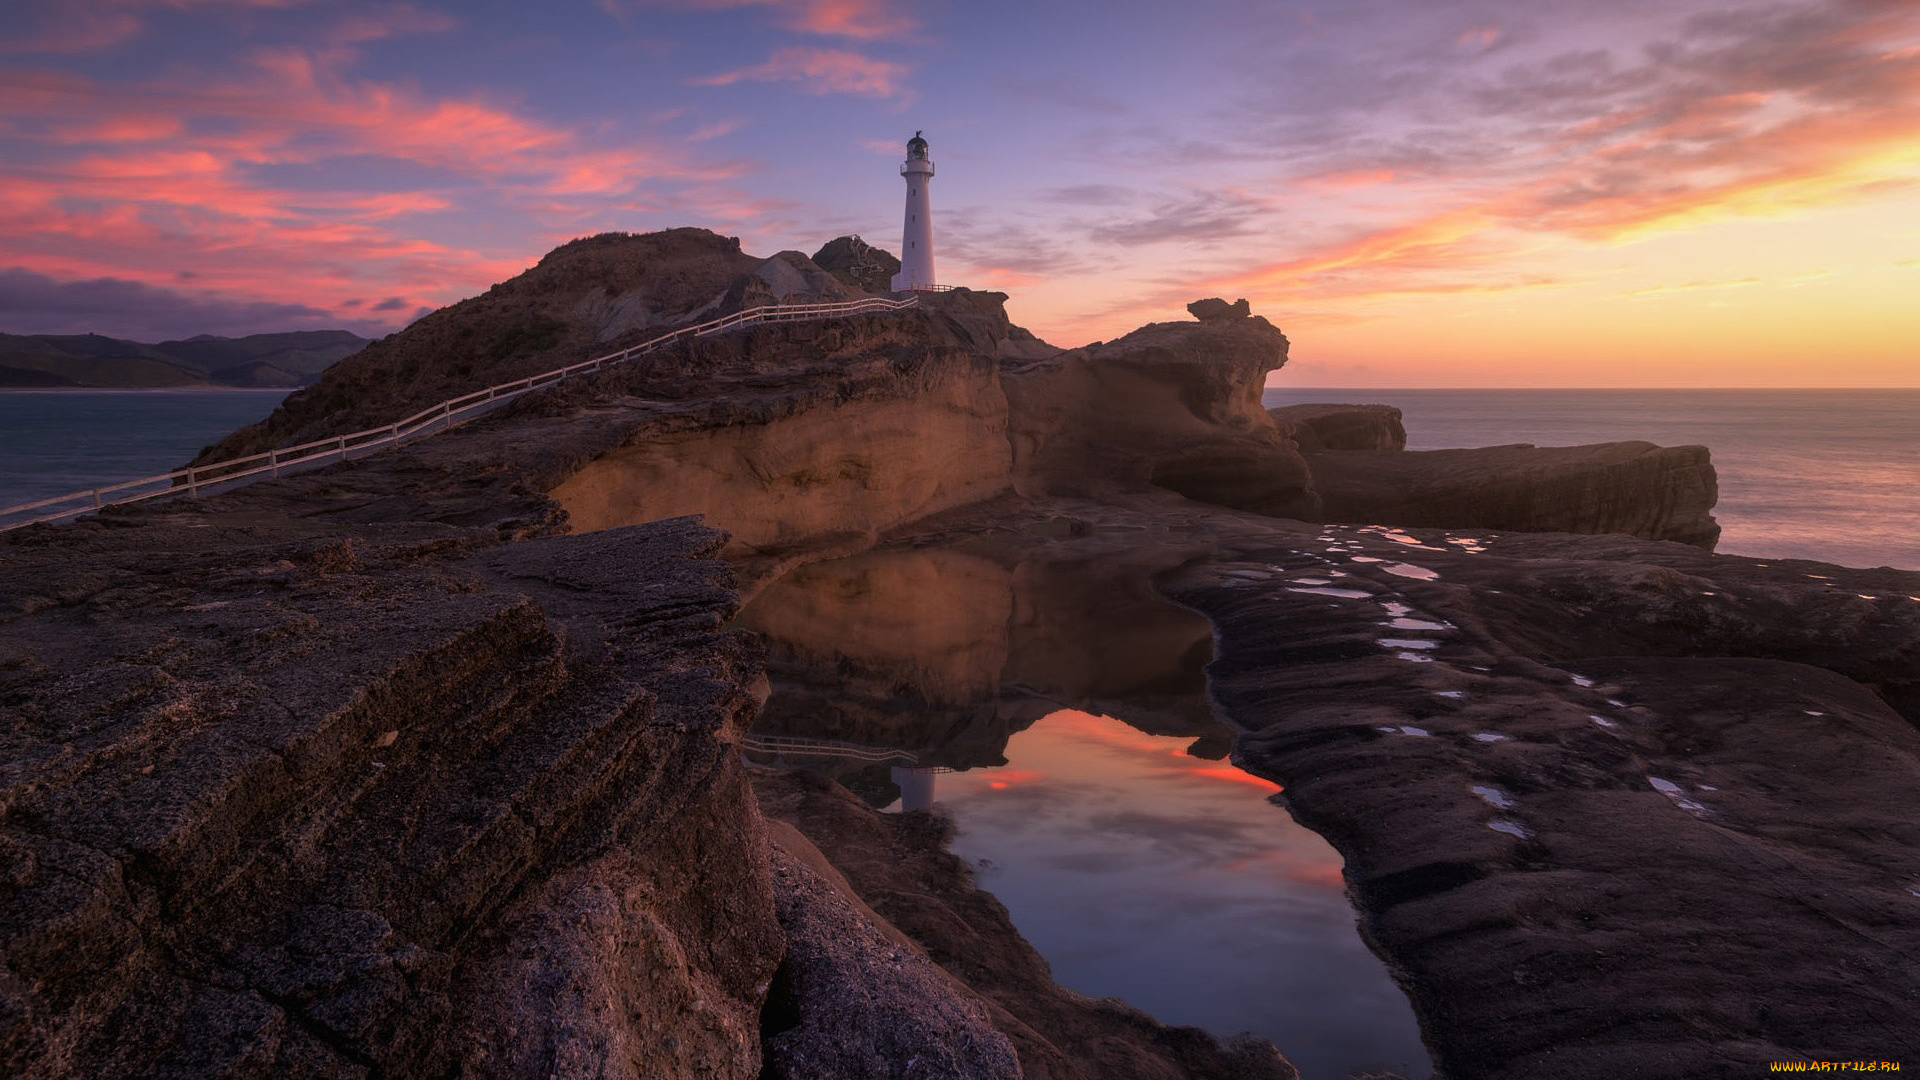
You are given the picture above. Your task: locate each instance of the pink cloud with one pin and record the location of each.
(860, 20)
(149, 182)
(1482, 37)
(820, 71)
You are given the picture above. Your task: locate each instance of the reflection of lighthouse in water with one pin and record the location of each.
(916, 238)
(916, 786)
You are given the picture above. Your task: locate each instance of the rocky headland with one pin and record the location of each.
(429, 763)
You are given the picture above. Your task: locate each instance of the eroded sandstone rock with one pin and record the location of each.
(1214, 308)
(1341, 427)
(1636, 488)
(855, 998)
(1171, 405)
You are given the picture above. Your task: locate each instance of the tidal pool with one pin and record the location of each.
(1057, 709)
(1172, 882)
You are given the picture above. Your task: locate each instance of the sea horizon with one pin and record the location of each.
(1822, 475)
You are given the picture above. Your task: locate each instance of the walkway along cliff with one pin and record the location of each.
(428, 763)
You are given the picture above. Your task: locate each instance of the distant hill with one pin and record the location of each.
(288, 360)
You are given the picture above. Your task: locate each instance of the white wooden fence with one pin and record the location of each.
(221, 475)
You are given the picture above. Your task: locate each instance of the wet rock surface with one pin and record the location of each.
(1609, 807)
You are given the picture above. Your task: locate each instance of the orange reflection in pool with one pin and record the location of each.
(1173, 882)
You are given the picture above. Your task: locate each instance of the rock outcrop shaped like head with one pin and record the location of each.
(1214, 309)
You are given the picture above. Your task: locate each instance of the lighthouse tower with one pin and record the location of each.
(916, 239)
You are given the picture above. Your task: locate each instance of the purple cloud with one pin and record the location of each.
(32, 303)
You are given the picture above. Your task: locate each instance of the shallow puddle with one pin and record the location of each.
(1058, 711)
(1344, 594)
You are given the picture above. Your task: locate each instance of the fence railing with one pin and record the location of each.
(428, 421)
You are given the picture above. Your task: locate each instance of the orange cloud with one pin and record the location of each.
(1002, 779)
(820, 71)
(1619, 178)
(1744, 118)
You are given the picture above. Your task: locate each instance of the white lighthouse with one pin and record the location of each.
(916, 239)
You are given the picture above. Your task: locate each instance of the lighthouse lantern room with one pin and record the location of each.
(916, 239)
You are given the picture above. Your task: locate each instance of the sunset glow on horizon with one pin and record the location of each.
(1653, 194)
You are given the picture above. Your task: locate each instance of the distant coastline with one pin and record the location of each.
(258, 361)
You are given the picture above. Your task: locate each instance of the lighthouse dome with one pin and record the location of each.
(916, 146)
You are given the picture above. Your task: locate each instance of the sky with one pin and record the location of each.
(1421, 193)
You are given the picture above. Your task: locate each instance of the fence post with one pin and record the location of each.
(343, 447)
(193, 481)
(273, 459)
(96, 498)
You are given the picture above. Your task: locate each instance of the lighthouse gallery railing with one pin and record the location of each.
(428, 421)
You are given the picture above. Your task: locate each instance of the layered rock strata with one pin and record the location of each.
(299, 800)
(855, 998)
(1171, 405)
(1636, 488)
(1341, 427)
(1610, 808)
(372, 771)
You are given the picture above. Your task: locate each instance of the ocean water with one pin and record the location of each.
(54, 442)
(1832, 475)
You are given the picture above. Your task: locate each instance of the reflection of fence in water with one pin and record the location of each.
(914, 780)
(791, 746)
